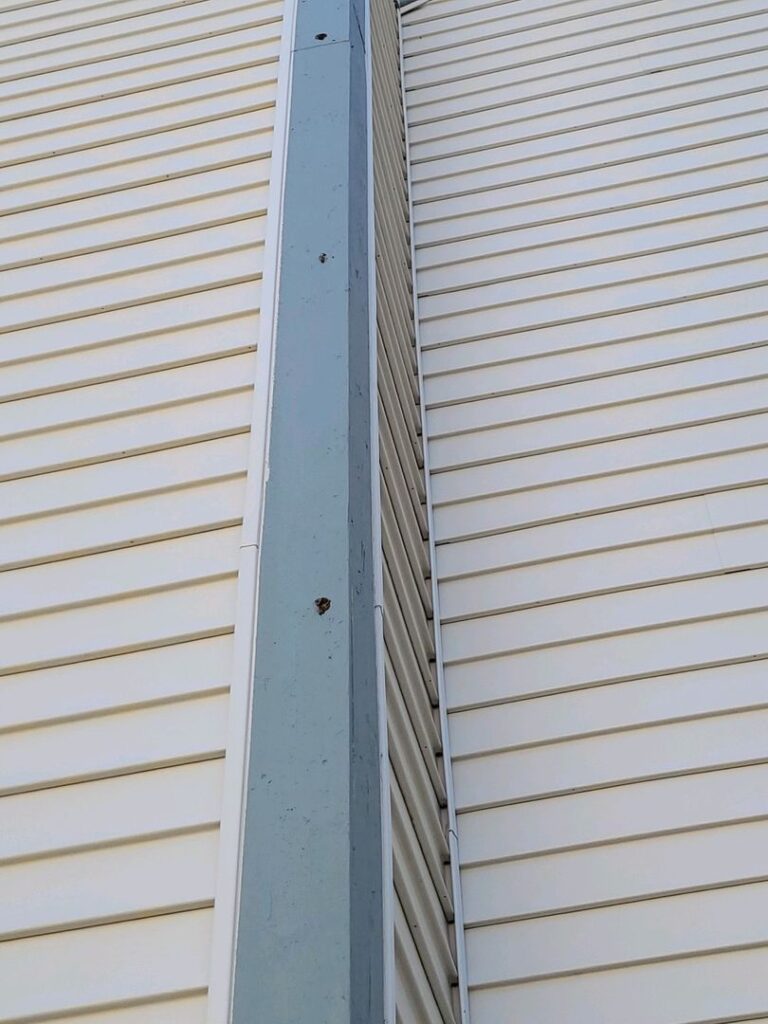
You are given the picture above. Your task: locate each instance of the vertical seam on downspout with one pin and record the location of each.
(387, 866)
(453, 839)
(237, 752)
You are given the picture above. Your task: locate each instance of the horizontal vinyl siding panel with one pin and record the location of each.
(591, 378)
(34, 24)
(619, 813)
(420, 710)
(605, 113)
(182, 1010)
(673, 323)
(135, 171)
(142, 34)
(412, 646)
(561, 22)
(113, 574)
(96, 403)
(110, 84)
(638, 282)
(124, 741)
(415, 1000)
(571, 276)
(98, 483)
(677, 647)
(414, 556)
(602, 615)
(685, 991)
(710, 124)
(89, 968)
(698, 177)
(574, 76)
(591, 939)
(703, 56)
(588, 221)
(556, 502)
(78, 367)
(213, 257)
(423, 911)
(79, 890)
(688, 517)
(579, 380)
(651, 564)
(184, 423)
(206, 110)
(591, 35)
(140, 520)
(653, 752)
(644, 869)
(419, 795)
(174, 154)
(123, 681)
(590, 106)
(111, 811)
(85, 125)
(191, 315)
(595, 238)
(122, 75)
(162, 216)
(597, 425)
(594, 711)
(411, 739)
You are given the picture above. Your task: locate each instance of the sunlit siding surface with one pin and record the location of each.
(425, 964)
(134, 168)
(590, 221)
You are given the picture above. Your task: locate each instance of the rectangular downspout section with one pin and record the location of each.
(310, 935)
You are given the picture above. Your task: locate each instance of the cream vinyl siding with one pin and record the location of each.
(135, 168)
(424, 959)
(590, 226)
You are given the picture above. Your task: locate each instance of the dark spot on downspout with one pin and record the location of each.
(322, 604)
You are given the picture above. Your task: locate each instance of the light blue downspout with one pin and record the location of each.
(310, 945)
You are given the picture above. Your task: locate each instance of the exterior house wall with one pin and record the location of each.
(589, 217)
(135, 171)
(584, 181)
